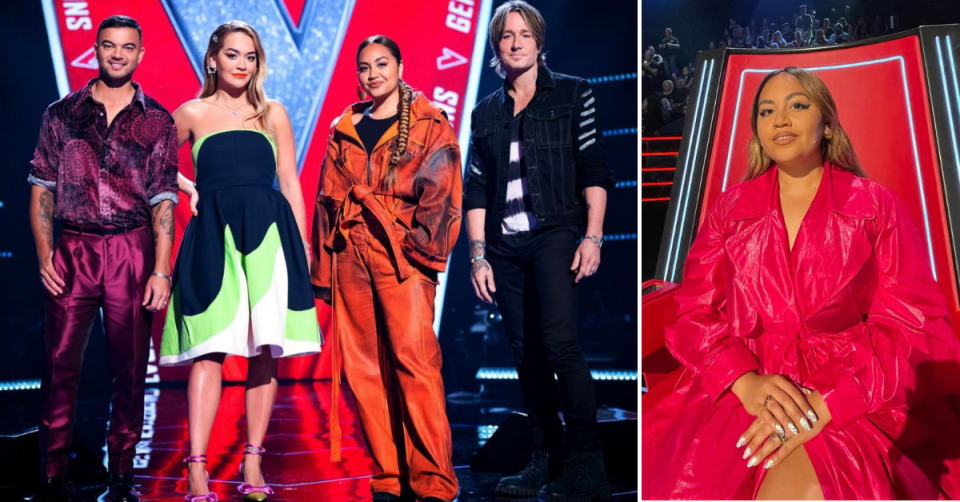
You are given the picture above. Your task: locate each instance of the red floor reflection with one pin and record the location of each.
(297, 463)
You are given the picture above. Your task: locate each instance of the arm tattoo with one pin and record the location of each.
(163, 222)
(479, 265)
(46, 217)
(477, 247)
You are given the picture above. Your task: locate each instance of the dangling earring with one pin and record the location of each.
(212, 70)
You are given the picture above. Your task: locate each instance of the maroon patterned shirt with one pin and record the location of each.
(106, 175)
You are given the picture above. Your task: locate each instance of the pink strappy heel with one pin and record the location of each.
(210, 497)
(254, 493)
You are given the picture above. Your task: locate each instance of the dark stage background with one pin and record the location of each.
(582, 39)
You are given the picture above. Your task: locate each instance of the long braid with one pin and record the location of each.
(406, 97)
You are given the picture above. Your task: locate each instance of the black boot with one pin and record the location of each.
(51, 490)
(583, 480)
(122, 489)
(530, 480)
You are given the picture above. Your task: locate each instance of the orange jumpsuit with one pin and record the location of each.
(377, 253)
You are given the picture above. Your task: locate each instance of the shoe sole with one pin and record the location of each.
(516, 491)
(602, 493)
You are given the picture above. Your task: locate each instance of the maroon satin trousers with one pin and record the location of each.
(108, 273)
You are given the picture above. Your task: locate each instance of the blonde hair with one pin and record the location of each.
(533, 19)
(255, 93)
(837, 149)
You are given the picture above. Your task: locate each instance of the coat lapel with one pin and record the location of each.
(832, 245)
(757, 248)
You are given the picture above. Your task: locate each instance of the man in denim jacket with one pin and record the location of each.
(537, 172)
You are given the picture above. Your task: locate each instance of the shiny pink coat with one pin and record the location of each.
(851, 311)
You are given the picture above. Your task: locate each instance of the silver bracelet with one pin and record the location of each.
(165, 276)
(596, 240)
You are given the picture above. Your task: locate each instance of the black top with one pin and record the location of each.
(669, 51)
(371, 130)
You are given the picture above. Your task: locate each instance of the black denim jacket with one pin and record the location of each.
(562, 145)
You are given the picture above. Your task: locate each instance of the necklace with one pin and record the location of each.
(236, 112)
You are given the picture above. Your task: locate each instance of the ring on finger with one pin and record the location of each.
(767, 401)
(781, 437)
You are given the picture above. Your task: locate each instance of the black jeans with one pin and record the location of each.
(538, 301)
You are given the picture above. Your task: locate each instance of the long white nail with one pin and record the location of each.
(747, 453)
(804, 423)
(806, 391)
(778, 428)
(793, 429)
(753, 462)
(812, 415)
(741, 442)
(768, 465)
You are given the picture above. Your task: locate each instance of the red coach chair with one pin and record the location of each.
(898, 98)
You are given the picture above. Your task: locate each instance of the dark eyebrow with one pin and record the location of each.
(375, 60)
(789, 97)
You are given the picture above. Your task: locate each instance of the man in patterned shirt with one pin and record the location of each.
(537, 171)
(106, 166)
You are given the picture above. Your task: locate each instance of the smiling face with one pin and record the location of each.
(789, 125)
(378, 70)
(236, 61)
(518, 47)
(118, 52)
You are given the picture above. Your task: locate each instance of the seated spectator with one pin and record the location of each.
(654, 115)
(838, 36)
(653, 79)
(773, 45)
(779, 41)
(761, 43)
(846, 29)
(739, 40)
(787, 33)
(688, 75)
(821, 40)
(827, 28)
(668, 93)
(681, 91)
(711, 46)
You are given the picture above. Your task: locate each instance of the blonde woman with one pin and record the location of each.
(808, 321)
(242, 278)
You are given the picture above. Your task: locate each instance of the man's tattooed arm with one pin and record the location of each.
(478, 253)
(163, 227)
(41, 220)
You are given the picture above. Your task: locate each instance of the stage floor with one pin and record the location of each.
(296, 464)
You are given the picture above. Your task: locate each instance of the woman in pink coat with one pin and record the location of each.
(819, 359)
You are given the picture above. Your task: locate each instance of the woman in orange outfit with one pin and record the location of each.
(387, 217)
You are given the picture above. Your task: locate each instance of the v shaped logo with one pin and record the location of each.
(300, 56)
